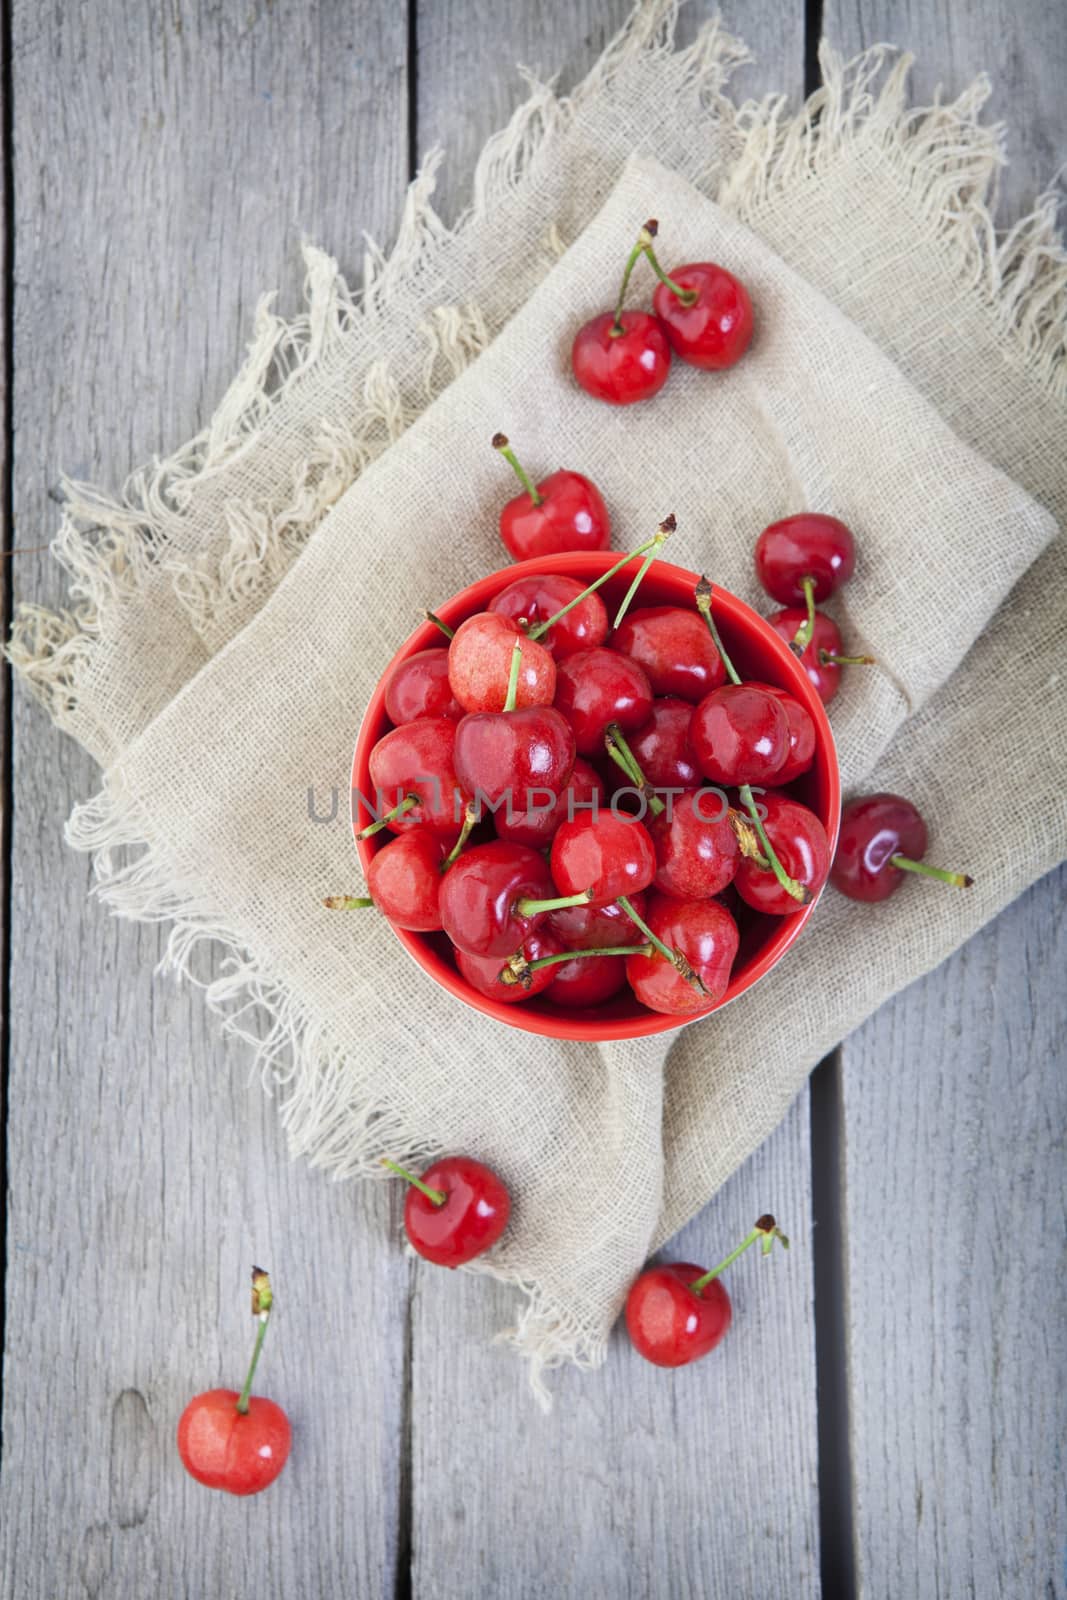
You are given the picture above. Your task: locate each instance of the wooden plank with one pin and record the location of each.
(954, 1098)
(639, 1482)
(165, 160)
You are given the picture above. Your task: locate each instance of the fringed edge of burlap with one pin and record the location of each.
(111, 547)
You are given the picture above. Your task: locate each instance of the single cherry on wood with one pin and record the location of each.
(804, 559)
(882, 840)
(623, 356)
(455, 1211)
(565, 511)
(237, 1442)
(677, 1312)
(822, 657)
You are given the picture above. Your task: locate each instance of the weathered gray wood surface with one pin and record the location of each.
(165, 165)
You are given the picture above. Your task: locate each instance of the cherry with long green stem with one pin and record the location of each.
(564, 512)
(455, 1211)
(495, 896)
(519, 970)
(675, 957)
(803, 559)
(643, 246)
(766, 1231)
(623, 356)
(653, 545)
(626, 761)
(882, 840)
(405, 805)
(706, 311)
(237, 1442)
(666, 528)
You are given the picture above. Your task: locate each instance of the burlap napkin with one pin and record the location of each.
(215, 707)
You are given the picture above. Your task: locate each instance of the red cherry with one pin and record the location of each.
(479, 665)
(226, 1449)
(419, 687)
(883, 837)
(597, 927)
(669, 1324)
(484, 973)
(824, 676)
(536, 824)
(799, 841)
(589, 980)
(808, 545)
(596, 687)
(696, 848)
(710, 323)
(801, 734)
(661, 748)
(563, 512)
(607, 855)
(739, 735)
(457, 1210)
(487, 897)
(542, 595)
(418, 758)
(622, 359)
(514, 756)
(675, 649)
(404, 879)
(702, 931)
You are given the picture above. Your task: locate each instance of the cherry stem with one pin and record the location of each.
(828, 659)
(644, 242)
(438, 1196)
(799, 891)
(958, 880)
(623, 757)
(470, 817)
(531, 908)
(766, 1229)
(406, 804)
(500, 442)
(802, 638)
(675, 957)
(449, 633)
(518, 970)
(747, 840)
(666, 528)
(513, 677)
(347, 902)
(702, 595)
(262, 1302)
(687, 297)
(543, 627)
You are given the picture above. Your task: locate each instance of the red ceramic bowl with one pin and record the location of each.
(757, 652)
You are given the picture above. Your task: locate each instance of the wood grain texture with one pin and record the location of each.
(166, 159)
(639, 1482)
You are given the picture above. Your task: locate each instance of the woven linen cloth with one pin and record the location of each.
(232, 612)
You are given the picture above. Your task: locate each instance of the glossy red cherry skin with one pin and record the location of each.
(622, 368)
(596, 687)
(479, 895)
(483, 973)
(540, 596)
(224, 1449)
(419, 758)
(800, 843)
(572, 516)
(404, 879)
(716, 330)
(675, 649)
(808, 545)
(739, 735)
(696, 849)
(479, 665)
(875, 828)
(596, 927)
(523, 755)
(419, 687)
(706, 934)
(669, 1324)
(661, 747)
(801, 734)
(535, 823)
(825, 680)
(470, 1221)
(589, 980)
(611, 855)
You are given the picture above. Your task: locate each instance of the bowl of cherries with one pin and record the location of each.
(595, 797)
